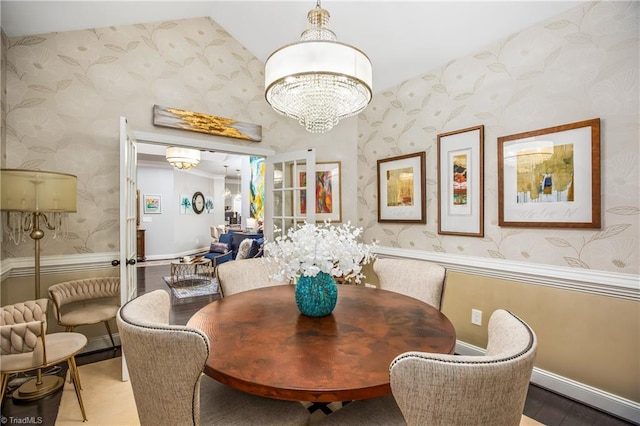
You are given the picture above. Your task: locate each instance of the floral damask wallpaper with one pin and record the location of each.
(580, 65)
(66, 91)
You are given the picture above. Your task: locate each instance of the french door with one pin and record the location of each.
(290, 185)
(128, 269)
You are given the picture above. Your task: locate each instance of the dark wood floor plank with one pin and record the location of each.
(536, 398)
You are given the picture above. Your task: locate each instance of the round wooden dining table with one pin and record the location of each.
(261, 344)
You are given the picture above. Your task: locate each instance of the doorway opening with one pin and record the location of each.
(225, 188)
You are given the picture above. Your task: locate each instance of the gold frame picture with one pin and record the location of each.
(550, 178)
(401, 189)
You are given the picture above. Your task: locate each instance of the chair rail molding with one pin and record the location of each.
(605, 401)
(625, 286)
(604, 283)
(24, 266)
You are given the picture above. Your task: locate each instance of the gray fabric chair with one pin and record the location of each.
(415, 278)
(246, 274)
(438, 389)
(165, 364)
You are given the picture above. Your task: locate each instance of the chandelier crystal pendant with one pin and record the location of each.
(182, 158)
(318, 80)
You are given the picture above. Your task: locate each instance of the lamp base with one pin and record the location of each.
(31, 390)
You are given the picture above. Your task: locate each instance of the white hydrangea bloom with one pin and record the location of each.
(310, 249)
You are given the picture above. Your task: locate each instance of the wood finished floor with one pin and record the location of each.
(542, 405)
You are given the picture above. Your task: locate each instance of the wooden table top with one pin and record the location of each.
(261, 344)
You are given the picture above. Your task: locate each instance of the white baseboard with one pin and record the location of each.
(177, 255)
(610, 403)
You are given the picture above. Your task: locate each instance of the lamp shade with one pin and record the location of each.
(318, 81)
(182, 158)
(37, 191)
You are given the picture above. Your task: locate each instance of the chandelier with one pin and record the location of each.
(227, 193)
(318, 80)
(182, 158)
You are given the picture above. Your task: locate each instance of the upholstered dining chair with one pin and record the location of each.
(439, 389)
(87, 301)
(419, 279)
(246, 274)
(165, 364)
(25, 346)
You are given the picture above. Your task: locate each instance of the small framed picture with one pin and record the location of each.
(460, 182)
(208, 204)
(401, 189)
(551, 177)
(152, 204)
(328, 192)
(185, 205)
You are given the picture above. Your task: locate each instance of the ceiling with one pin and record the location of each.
(403, 39)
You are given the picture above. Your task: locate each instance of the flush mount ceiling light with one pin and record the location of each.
(318, 81)
(182, 158)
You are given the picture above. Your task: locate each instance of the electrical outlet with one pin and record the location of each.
(476, 317)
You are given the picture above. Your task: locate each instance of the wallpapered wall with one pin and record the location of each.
(66, 92)
(579, 65)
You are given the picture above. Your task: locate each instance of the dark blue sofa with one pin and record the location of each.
(226, 248)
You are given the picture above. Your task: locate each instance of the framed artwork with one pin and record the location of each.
(208, 204)
(152, 204)
(185, 204)
(461, 182)
(328, 192)
(401, 189)
(256, 187)
(550, 178)
(205, 123)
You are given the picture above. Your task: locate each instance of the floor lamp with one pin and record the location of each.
(31, 199)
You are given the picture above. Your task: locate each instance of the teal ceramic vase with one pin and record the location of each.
(316, 296)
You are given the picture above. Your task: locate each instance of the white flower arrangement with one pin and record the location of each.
(310, 249)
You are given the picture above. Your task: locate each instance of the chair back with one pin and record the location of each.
(465, 390)
(81, 290)
(18, 313)
(22, 331)
(165, 362)
(246, 274)
(415, 278)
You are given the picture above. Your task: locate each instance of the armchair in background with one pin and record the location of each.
(219, 253)
(216, 231)
(85, 302)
